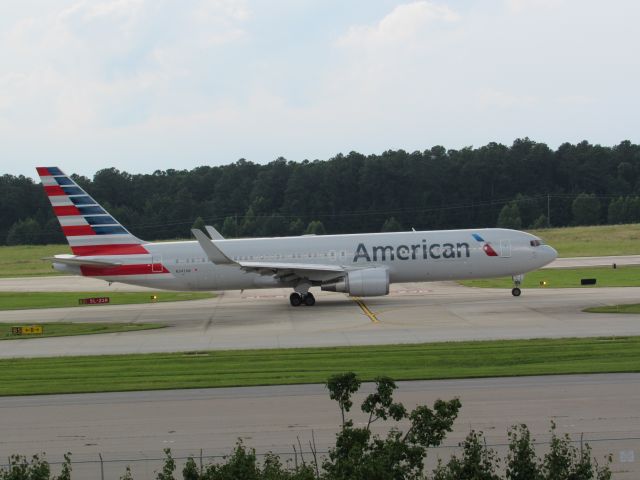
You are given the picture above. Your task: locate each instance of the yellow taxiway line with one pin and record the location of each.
(365, 310)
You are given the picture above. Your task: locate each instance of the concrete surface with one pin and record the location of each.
(420, 312)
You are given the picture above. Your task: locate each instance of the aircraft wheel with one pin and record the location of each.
(309, 300)
(516, 292)
(295, 299)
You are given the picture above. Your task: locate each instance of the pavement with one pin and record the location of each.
(412, 313)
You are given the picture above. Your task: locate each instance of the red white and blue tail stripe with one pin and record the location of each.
(89, 229)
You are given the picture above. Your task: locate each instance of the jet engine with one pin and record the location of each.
(367, 282)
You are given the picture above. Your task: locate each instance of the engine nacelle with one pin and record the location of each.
(368, 282)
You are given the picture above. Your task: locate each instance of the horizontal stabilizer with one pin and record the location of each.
(211, 249)
(76, 261)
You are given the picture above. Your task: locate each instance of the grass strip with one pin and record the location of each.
(69, 329)
(26, 260)
(593, 241)
(314, 365)
(25, 300)
(628, 308)
(626, 276)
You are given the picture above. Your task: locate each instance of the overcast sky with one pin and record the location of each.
(143, 85)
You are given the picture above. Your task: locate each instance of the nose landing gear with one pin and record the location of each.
(517, 280)
(296, 299)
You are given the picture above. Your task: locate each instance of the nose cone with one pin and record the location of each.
(548, 254)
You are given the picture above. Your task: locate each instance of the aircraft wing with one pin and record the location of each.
(80, 261)
(282, 270)
(289, 271)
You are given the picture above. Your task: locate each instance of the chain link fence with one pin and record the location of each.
(625, 459)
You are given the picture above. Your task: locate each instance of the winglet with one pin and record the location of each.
(210, 248)
(213, 233)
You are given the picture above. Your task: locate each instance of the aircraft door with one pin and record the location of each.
(156, 264)
(505, 248)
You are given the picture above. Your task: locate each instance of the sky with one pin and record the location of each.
(145, 85)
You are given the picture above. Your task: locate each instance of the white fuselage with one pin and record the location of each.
(408, 256)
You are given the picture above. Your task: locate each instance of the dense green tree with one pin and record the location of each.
(476, 463)
(522, 463)
(127, 475)
(190, 470)
(616, 211)
(541, 222)
(586, 209)
(199, 224)
(25, 232)
(565, 461)
(433, 189)
(391, 225)
(296, 227)
(168, 467)
(315, 227)
(361, 455)
(230, 228)
(510, 216)
(242, 463)
(36, 468)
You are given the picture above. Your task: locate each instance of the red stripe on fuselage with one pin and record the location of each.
(144, 269)
(66, 211)
(54, 190)
(77, 230)
(43, 171)
(118, 249)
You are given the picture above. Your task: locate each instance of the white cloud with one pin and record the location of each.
(403, 23)
(108, 63)
(147, 84)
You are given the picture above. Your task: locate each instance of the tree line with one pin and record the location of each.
(524, 185)
(361, 454)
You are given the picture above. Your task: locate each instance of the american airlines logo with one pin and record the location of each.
(487, 248)
(411, 252)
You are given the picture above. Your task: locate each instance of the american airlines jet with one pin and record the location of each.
(357, 264)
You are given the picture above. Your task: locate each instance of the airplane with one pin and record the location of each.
(360, 265)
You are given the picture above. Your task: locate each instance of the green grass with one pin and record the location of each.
(628, 308)
(24, 300)
(315, 365)
(26, 260)
(593, 241)
(567, 278)
(68, 329)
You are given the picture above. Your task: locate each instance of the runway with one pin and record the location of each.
(412, 313)
(126, 428)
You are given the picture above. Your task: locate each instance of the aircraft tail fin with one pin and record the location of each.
(89, 228)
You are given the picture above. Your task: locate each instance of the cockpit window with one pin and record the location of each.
(536, 243)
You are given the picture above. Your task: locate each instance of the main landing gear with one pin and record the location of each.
(517, 280)
(296, 299)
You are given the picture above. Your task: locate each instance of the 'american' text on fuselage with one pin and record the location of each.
(411, 252)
